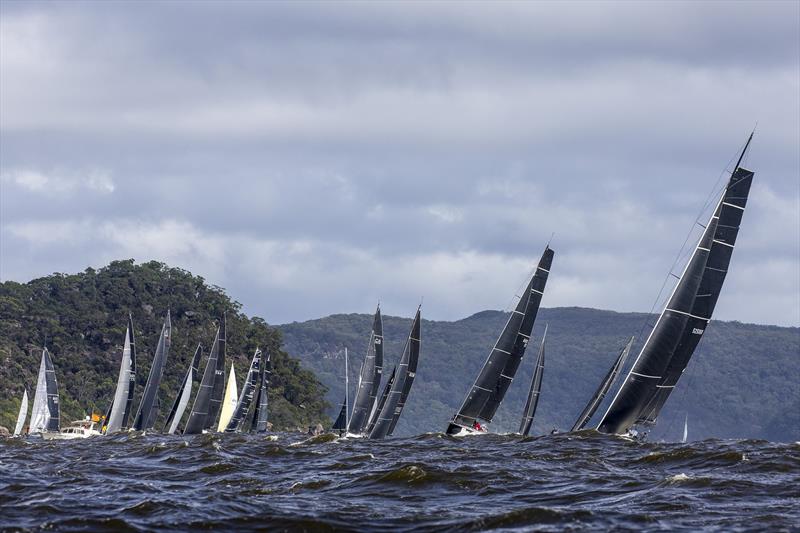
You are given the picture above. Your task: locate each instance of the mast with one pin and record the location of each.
(200, 409)
(346, 391)
(148, 407)
(491, 385)
(184, 392)
(603, 389)
(534, 392)
(683, 321)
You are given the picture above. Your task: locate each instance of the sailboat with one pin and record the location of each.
(395, 399)
(534, 392)
(369, 380)
(672, 341)
(491, 385)
(228, 402)
(245, 400)
(148, 406)
(261, 411)
(185, 391)
(23, 414)
(209, 395)
(603, 389)
(120, 409)
(45, 414)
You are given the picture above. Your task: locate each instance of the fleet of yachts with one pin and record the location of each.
(375, 412)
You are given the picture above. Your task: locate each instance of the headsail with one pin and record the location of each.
(392, 407)
(340, 424)
(373, 417)
(534, 392)
(40, 414)
(498, 371)
(262, 399)
(148, 407)
(681, 325)
(246, 397)
(54, 422)
(185, 391)
(603, 389)
(228, 402)
(369, 379)
(218, 389)
(198, 418)
(23, 414)
(117, 417)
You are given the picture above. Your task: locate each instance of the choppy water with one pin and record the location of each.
(429, 482)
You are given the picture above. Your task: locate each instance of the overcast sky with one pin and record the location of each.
(315, 158)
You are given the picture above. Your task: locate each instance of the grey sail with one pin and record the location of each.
(491, 385)
(246, 396)
(534, 392)
(23, 413)
(146, 415)
(218, 388)
(414, 343)
(369, 379)
(381, 402)
(681, 325)
(184, 392)
(602, 390)
(200, 409)
(392, 408)
(117, 417)
(262, 400)
(54, 422)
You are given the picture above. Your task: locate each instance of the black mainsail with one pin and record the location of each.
(340, 424)
(148, 407)
(182, 398)
(120, 409)
(534, 392)
(681, 325)
(498, 371)
(262, 398)
(246, 397)
(404, 374)
(373, 417)
(198, 417)
(369, 379)
(603, 389)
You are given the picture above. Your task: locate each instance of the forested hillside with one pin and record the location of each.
(82, 317)
(743, 381)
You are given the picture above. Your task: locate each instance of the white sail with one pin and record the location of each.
(40, 414)
(228, 402)
(183, 402)
(23, 413)
(123, 387)
(685, 428)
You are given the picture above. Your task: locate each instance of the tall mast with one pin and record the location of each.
(346, 391)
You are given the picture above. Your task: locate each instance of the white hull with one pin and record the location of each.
(467, 432)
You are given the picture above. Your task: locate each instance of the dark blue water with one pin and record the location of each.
(430, 482)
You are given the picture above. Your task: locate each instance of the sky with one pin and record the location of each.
(316, 158)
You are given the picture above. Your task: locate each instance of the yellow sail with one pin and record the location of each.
(229, 402)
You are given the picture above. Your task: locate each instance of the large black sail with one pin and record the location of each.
(182, 398)
(218, 388)
(498, 371)
(680, 327)
(534, 392)
(373, 417)
(370, 378)
(246, 396)
(145, 417)
(199, 414)
(602, 390)
(340, 424)
(391, 407)
(414, 348)
(120, 408)
(54, 422)
(262, 399)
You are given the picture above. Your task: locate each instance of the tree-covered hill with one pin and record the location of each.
(743, 381)
(83, 317)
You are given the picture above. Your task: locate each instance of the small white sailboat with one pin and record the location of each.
(228, 402)
(23, 414)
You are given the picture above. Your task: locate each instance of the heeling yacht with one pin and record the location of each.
(79, 429)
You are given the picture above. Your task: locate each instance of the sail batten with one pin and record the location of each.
(683, 321)
(497, 373)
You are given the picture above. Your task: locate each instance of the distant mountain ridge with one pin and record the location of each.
(741, 383)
